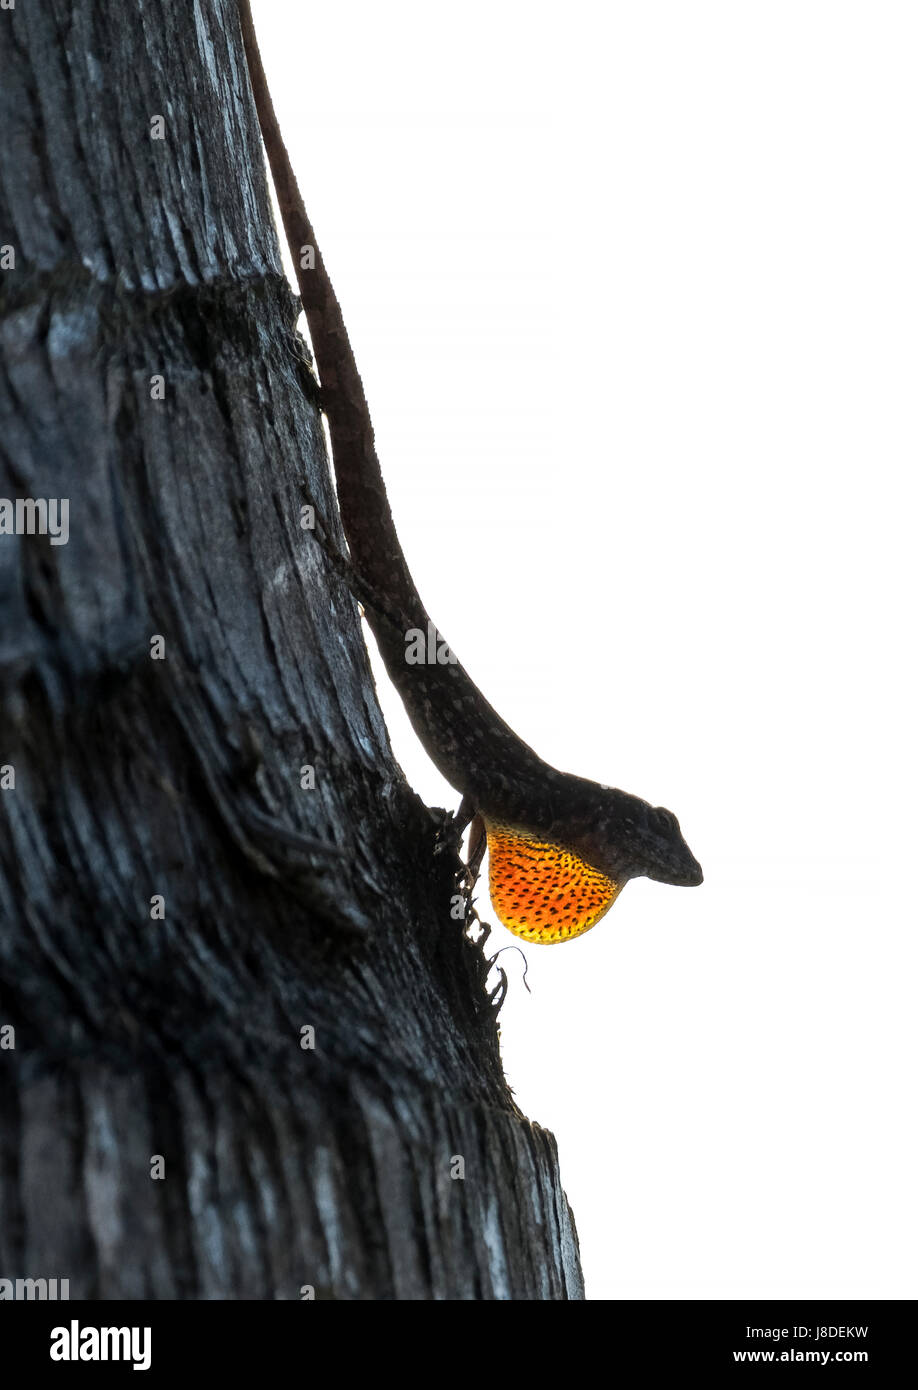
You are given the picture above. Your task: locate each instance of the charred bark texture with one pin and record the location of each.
(138, 778)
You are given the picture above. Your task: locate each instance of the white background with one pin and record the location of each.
(634, 292)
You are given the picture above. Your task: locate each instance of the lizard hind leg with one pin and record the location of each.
(478, 843)
(542, 891)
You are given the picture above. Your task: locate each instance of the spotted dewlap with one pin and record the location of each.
(541, 891)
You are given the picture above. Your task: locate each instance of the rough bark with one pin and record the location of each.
(284, 907)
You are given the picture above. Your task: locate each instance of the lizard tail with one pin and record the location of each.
(467, 740)
(366, 514)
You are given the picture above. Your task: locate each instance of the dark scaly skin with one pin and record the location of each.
(476, 751)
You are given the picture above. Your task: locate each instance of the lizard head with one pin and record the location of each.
(632, 839)
(666, 856)
(551, 884)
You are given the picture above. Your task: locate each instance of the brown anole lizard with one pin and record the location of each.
(561, 848)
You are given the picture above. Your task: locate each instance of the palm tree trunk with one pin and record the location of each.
(246, 1042)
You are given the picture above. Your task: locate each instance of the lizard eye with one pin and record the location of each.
(663, 821)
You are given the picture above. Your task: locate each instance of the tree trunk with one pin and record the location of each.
(181, 897)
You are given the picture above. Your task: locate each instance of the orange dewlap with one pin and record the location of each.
(541, 891)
